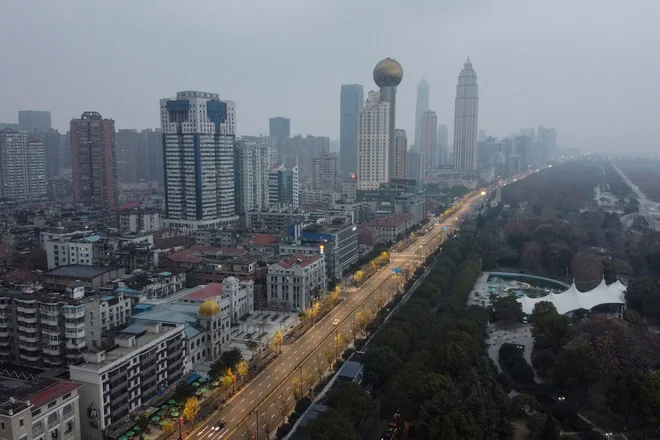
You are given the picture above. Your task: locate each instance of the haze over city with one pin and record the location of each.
(584, 68)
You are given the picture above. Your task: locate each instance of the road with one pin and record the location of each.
(647, 208)
(270, 394)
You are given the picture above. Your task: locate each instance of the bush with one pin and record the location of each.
(514, 364)
(593, 435)
(283, 430)
(505, 382)
(303, 404)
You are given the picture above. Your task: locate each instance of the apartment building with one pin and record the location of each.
(294, 280)
(143, 360)
(34, 406)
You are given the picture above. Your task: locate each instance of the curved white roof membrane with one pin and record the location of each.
(573, 299)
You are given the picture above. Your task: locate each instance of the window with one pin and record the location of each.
(21, 423)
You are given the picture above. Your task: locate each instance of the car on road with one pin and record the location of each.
(219, 426)
(335, 322)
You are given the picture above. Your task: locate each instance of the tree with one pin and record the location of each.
(624, 391)
(278, 339)
(543, 308)
(252, 346)
(334, 295)
(191, 409)
(650, 399)
(227, 379)
(358, 277)
(283, 407)
(242, 369)
(531, 254)
(351, 399)
(507, 309)
(308, 380)
(169, 427)
(550, 331)
(143, 422)
(329, 355)
(543, 360)
(315, 311)
(231, 358)
(297, 388)
(587, 268)
(551, 430)
(184, 391)
(522, 403)
(577, 366)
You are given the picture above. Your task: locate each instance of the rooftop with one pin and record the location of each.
(202, 293)
(260, 239)
(79, 271)
(195, 254)
(39, 390)
(299, 260)
(389, 221)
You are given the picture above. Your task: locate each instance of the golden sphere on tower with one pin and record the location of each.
(388, 73)
(209, 308)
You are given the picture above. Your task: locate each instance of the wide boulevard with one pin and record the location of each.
(269, 396)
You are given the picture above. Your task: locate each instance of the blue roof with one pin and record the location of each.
(92, 238)
(143, 307)
(191, 332)
(108, 297)
(125, 290)
(135, 329)
(165, 274)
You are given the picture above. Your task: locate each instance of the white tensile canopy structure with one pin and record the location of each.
(573, 299)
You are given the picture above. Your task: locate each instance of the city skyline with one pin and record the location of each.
(512, 68)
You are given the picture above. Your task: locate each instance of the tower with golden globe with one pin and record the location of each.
(388, 74)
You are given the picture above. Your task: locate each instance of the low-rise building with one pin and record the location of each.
(91, 277)
(273, 221)
(136, 220)
(38, 407)
(149, 285)
(295, 280)
(388, 228)
(141, 361)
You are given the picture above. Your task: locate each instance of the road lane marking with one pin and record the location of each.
(261, 393)
(251, 392)
(252, 401)
(243, 410)
(271, 405)
(268, 377)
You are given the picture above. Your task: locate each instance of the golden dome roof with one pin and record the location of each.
(209, 308)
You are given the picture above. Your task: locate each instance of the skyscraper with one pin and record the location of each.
(198, 143)
(548, 137)
(251, 169)
(466, 119)
(283, 188)
(34, 120)
(280, 128)
(351, 101)
(401, 152)
(443, 143)
(415, 165)
(93, 161)
(326, 174)
(422, 106)
(373, 143)
(388, 74)
(22, 166)
(428, 139)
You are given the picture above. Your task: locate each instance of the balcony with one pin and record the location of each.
(53, 361)
(27, 328)
(52, 350)
(5, 342)
(30, 357)
(73, 344)
(27, 308)
(78, 312)
(48, 330)
(47, 312)
(28, 319)
(4, 333)
(28, 338)
(37, 430)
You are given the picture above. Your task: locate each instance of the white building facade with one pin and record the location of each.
(198, 140)
(283, 187)
(466, 113)
(252, 166)
(22, 166)
(293, 280)
(428, 142)
(373, 142)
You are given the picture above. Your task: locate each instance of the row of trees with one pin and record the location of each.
(369, 269)
(429, 360)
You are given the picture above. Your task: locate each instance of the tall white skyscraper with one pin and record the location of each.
(251, 169)
(466, 119)
(198, 140)
(388, 74)
(401, 153)
(22, 166)
(373, 142)
(428, 142)
(421, 107)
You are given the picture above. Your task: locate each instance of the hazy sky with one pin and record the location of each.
(588, 67)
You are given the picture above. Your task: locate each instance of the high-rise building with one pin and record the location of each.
(373, 143)
(299, 150)
(283, 189)
(388, 74)
(529, 132)
(415, 165)
(326, 174)
(466, 119)
(34, 120)
(548, 137)
(93, 159)
(52, 141)
(268, 142)
(252, 167)
(22, 166)
(422, 106)
(401, 152)
(428, 139)
(351, 101)
(153, 139)
(483, 135)
(128, 144)
(198, 142)
(442, 140)
(280, 128)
